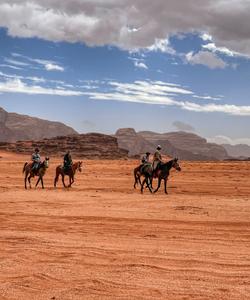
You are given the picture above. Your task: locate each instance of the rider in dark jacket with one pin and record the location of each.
(67, 161)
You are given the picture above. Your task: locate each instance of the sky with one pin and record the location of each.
(158, 65)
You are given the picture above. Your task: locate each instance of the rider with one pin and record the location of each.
(157, 159)
(145, 158)
(67, 161)
(36, 158)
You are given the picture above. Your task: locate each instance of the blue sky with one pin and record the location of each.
(187, 76)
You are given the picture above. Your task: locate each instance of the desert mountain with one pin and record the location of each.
(189, 142)
(240, 150)
(91, 145)
(185, 145)
(15, 127)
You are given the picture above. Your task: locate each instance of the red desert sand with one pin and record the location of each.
(102, 239)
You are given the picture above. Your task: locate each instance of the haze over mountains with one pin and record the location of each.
(185, 145)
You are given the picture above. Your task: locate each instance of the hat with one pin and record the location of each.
(148, 153)
(158, 147)
(37, 150)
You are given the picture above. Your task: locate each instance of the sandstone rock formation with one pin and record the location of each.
(92, 145)
(190, 142)
(15, 127)
(184, 145)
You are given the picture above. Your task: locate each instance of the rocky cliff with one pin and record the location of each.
(92, 145)
(189, 142)
(15, 127)
(184, 145)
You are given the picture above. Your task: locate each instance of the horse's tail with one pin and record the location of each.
(24, 166)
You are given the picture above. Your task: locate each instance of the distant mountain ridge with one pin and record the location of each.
(187, 146)
(240, 150)
(15, 127)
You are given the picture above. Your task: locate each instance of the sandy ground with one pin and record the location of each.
(102, 239)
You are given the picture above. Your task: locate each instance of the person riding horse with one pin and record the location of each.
(157, 160)
(67, 162)
(145, 160)
(36, 158)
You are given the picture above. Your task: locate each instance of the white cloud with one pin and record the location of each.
(140, 65)
(53, 67)
(18, 86)
(208, 98)
(129, 24)
(206, 58)
(16, 62)
(161, 45)
(150, 92)
(206, 37)
(10, 67)
(48, 65)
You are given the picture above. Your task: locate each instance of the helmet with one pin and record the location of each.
(158, 147)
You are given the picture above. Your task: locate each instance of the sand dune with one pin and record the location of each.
(104, 240)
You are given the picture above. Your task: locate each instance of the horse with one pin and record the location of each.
(147, 172)
(161, 174)
(164, 170)
(71, 173)
(137, 175)
(29, 173)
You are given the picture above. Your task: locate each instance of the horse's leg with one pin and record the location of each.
(56, 179)
(159, 184)
(63, 180)
(38, 180)
(165, 185)
(25, 180)
(42, 181)
(142, 185)
(29, 180)
(148, 184)
(72, 180)
(151, 182)
(139, 179)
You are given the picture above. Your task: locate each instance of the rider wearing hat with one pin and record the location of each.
(157, 158)
(67, 161)
(36, 158)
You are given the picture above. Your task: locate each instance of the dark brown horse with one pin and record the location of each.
(29, 173)
(71, 173)
(162, 174)
(164, 170)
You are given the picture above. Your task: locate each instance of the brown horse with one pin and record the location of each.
(29, 173)
(71, 173)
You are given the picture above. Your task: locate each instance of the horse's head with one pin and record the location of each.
(176, 165)
(46, 162)
(79, 166)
